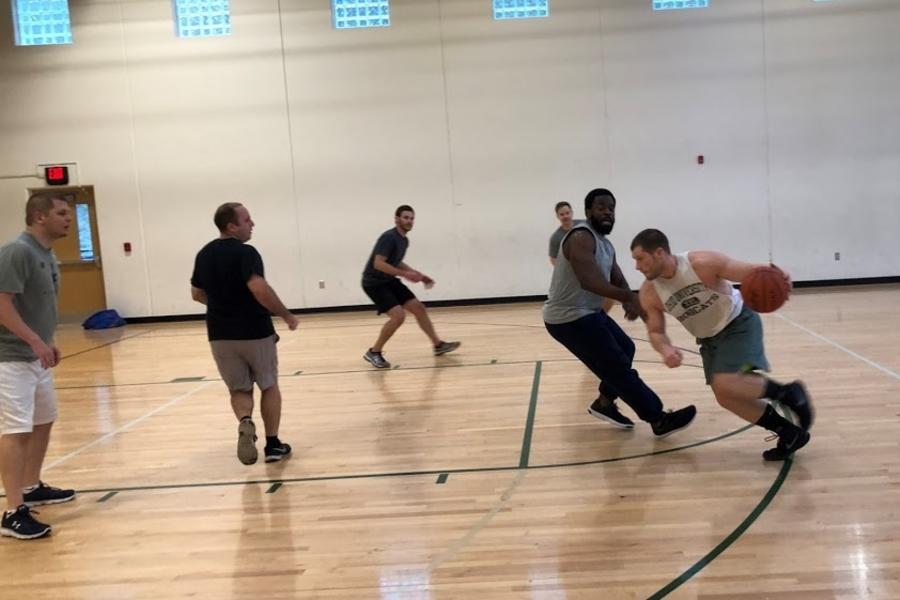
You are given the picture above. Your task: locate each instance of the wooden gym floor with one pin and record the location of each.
(474, 475)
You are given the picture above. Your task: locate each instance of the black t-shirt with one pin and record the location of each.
(222, 269)
(392, 246)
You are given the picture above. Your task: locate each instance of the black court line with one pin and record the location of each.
(363, 370)
(442, 478)
(274, 487)
(392, 474)
(187, 379)
(107, 496)
(732, 537)
(538, 327)
(92, 348)
(529, 422)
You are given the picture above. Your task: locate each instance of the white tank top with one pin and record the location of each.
(702, 310)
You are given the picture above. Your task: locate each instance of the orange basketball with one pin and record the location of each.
(765, 289)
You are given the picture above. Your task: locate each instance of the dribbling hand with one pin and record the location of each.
(291, 321)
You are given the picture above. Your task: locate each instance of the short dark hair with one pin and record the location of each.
(402, 209)
(650, 240)
(225, 214)
(597, 193)
(559, 205)
(39, 203)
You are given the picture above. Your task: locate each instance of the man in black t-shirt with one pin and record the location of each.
(230, 280)
(391, 297)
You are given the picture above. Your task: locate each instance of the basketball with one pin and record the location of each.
(765, 289)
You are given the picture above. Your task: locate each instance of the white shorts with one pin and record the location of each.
(27, 397)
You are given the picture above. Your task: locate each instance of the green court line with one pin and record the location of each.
(529, 423)
(732, 537)
(582, 463)
(187, 379)
(443, 474)
(176, 486)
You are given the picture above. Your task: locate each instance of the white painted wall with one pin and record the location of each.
(482, 126)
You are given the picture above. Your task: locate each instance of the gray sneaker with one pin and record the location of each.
(445, 347)
(246, 446)
(377, 359)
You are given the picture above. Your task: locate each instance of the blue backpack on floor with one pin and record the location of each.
(104, 319)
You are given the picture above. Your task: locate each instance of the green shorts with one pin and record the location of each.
(736, 349)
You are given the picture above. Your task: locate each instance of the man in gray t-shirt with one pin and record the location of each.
(564, 214)
(29, 284)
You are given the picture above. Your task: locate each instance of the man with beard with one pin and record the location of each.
(695, 288)
(586, 273)
(391, 297)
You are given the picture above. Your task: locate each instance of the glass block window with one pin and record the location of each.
(521, 9)
(85, 235)
(202, 18)
(42, 22)
(349, 14)
(679, 4)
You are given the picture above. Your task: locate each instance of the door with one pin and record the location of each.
(81, 290)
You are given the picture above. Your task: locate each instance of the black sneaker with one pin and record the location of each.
(21, 525)
(277, 452)
(445, 347)
(377, 359)
(796, 399)
(45, 494)
(246, 446)
(784, 449)
(673, 421)
(610, 413)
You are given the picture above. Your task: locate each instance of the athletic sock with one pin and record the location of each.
(773, 390)
(777, 424)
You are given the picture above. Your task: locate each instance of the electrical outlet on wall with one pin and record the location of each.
(837, 256)
(321, 284)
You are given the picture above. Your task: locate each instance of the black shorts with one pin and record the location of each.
(388, 295)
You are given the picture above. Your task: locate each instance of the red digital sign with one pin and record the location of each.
(56, 175)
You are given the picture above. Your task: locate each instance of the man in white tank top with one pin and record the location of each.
(695, 288)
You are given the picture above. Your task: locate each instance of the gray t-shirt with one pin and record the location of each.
(557, 238)
(29, 271)
(567, 301)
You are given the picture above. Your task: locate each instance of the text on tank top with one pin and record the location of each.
(703, 311)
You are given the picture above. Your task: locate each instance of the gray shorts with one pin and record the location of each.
(736, 349)
(243, 362)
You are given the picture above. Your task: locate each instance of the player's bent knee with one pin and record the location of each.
(397, 315)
